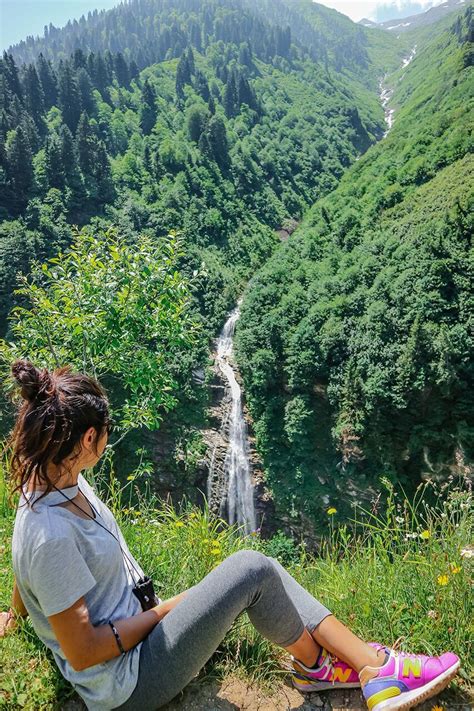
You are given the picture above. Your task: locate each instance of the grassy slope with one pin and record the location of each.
(385, 581)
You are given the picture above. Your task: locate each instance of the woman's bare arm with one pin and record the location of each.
(85, 645)
(8, 620)
(18, 606)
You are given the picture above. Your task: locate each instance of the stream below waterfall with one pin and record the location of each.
(237, 505)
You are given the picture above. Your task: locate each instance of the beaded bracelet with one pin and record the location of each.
(117, 638)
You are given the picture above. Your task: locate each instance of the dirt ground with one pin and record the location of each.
(233, 694)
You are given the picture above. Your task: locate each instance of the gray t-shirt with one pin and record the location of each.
(57, 558)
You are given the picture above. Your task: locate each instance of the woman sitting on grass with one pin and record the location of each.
(75, 578)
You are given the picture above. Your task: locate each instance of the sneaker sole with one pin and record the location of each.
(410, 699)
(308, 686)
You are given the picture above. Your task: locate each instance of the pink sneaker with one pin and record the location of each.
(406, 679)
(332, 673)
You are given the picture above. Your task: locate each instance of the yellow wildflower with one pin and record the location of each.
(437, 708)
(331, 511)
(131, 478)
(455, 569)
(215, 551)
(179, 524)
(425, 535)
(443, 579)
(216, 542)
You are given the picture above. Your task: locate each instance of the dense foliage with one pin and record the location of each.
(359, 329)
(117, 311)
(237, 127)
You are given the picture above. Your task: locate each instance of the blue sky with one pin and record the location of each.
(19, 18)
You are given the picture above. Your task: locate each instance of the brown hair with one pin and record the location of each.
(58, 408)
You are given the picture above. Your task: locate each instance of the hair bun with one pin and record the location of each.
(32, 381)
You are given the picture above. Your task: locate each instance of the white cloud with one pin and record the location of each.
(358, 9)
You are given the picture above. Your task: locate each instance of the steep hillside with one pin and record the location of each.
(358, 330)
(224, 144)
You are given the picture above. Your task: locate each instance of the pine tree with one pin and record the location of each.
(101, 78)
(33, 95)
(55, 171)
(191, 63)
(196, 36)
(201, 86)
(283, 42)
(231, 99)
(133, 70)
(49, 82)
(70, 161)
(31, 131)
(246, 94)
(121, 70)
(217, 136)
(148, 111)
(204, 145)
(10, 72)
(69, 97)
(85, 144)
(19, 160)
(183, 76)
(86, 94)
(245, 55)
(79, 59)
(103, 176)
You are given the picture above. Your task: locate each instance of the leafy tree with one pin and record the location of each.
(118, 311)
(196, 122)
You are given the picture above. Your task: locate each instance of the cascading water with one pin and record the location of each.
(386, 93)
(239, 504)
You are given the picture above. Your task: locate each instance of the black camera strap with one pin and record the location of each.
(127, 560)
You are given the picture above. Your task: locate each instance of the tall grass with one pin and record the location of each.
(403, 569)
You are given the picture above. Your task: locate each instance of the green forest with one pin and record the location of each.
(225, 122)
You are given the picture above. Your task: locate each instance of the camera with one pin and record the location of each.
(145, 593)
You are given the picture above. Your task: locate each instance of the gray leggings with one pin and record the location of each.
(179, 646)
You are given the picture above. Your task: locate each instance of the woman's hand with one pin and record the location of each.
(8, 623)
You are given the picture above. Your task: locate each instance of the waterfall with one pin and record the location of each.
(238, 507)
(386, 93)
